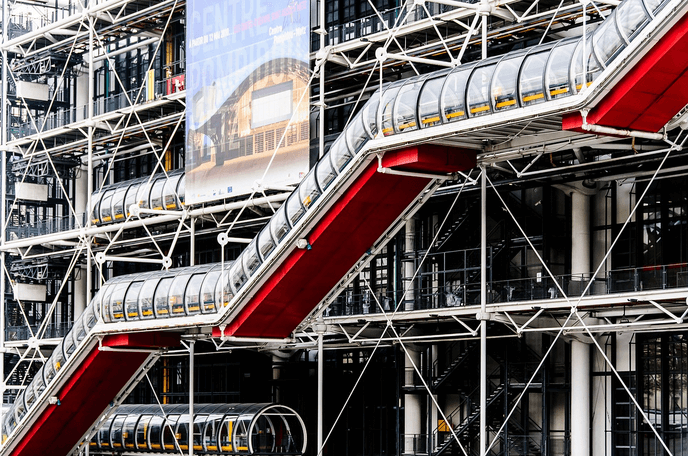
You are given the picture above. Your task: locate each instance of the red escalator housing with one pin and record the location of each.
(652, 92)
(88, 392)
(356, 220)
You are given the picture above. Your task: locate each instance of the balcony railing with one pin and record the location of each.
(52, 331)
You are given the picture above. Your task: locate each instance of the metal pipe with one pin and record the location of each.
(621, 132)
(483, 310)
(192, 349)
(192, 241)
(89, 164)
(3, 215)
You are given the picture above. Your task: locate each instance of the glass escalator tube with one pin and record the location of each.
(192, 295)
(146, 297)
(156, 201)
(384, 116)
(309, 190)
(237, 276)
(250, 258)
(170, 201)
(161, 308)
(631, 18)
(130, 197)
(531, 80)
(593, 67)
(478, 93)
(95, 204)
(453, 95)
(132, 310)
(118, 209)
(208, 301)
(176, 294)
(105, 206)
(266, 243)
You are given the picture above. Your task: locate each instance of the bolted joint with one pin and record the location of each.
(484, 316)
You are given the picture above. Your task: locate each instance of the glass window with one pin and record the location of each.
(130, 198)
(607, 41)
(405, 107)
(103, 301)
(117, 301)
(168, 435)
(223, 291)
(478, 95)
(169, 193)
(279, 225)
(106, 206)
(68, 346)
(504, 81)
(557, 74)
(250, 258)
(593, 67)
(356, 135)
(386, 107)
(453, 95)
(95, 203)
(143, 194)
(295, 209)
(208, 290)
(654, 5)
(118, 203)
(193, 291)
(181, 188)
(237, 276)
(146, 297)
(369, 115)
(104, 433)
(308, 189)
(241, 435)
(162, 308)
(129, 430)
(265, 243)
(429, 102)
(325, 173)
(155, 432)
(131, 301)
(156, 194)
(176, 295)
(225, 435)
(631, 17)
(142, 432)
(339, 154)
(532, 78)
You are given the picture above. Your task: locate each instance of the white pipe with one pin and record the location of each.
(192, 349)
(396, 172)
(3, 215)
(483, 309)
(621, 132)
(580, 399)
(126, 49)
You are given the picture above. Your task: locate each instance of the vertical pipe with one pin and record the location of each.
(321, 124)
(3, 215)
(484, 30)
(320, 391)
(192, 241)
(409, 265)
(192, 347)
(483, 309)
(580, 399)
(89, 177)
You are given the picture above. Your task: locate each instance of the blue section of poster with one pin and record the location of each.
(247, 106)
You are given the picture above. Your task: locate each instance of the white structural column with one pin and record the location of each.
(409, 266)
(3, 146)
(192, 386)
(80, 207)
(412, 404)
(580, 236)
(580, 399)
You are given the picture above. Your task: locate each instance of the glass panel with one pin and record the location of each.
(208, 290)
(557, 74)
(79, 329)
(386, 107)
(369, 114)
(176, 295)
(129, 433)
(143, 194)
(356, 134)
(265, 243)
(89, 318)
(118, 203)
(161, 304)
(241, 435)
(654, 5)
(405, 107)
(308, 189)
(504, 93)
(594, 67)
(29, 397)
(532, 79)
(155, 433)
(193, 291)
(146, 297)
(325, 173)
(225, 435)
(181, 188)
(607, 41)
(142, 432)
(95, 202)
(295, 209)
(106, 207)
(169, 193)
(156, 194)
(104, 433)
(429, 102)
(237, 276)
(223, 292)
(131, 301)
(279, 225)
(68, 345)
(130, 198)
(104, 306)
(250, 258)
(453, 96)
(339, 154)
(631, 17)
(117, 301)
(116, 431)
(478, 95)
(168, 435)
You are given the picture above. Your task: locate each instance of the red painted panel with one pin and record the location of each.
(86, 395)
(651, 93)
(360, 216)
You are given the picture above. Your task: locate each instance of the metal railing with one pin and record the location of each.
(52, 331)
(46, 226)
(414, 444)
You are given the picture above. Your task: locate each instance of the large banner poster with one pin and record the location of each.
(247, 71)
